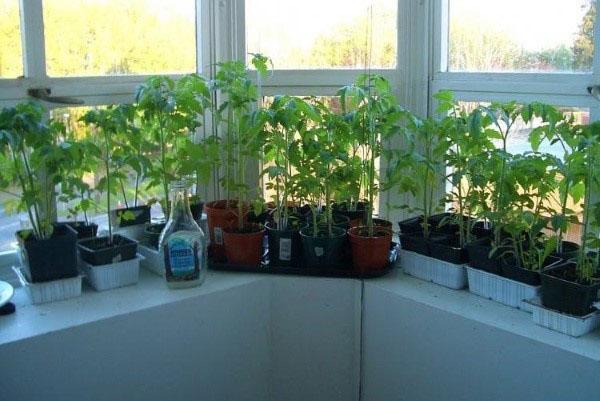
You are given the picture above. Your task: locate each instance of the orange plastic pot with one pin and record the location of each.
(370, 254)
(221, 215)
(244, 248)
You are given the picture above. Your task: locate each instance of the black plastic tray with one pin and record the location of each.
(266, 268)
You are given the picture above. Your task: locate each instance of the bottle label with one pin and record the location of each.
(182, 256)
(218, 235)
(285, 249)
(319, 251)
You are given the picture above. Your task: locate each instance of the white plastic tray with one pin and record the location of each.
(50, 291)
(501, 289)
(574, 326)
(114, 275)
(153, 260)
(430, 269)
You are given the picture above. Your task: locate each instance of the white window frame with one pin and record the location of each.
(561, 89)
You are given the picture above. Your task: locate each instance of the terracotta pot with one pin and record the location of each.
(244, 248)
(370, 253)
(219, 217)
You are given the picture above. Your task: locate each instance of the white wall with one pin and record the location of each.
(203, 348)
(315, 339)
(416, 352)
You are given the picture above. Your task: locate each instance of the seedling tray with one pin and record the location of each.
(501, 289)
(50, 291)
(265, 267)
(574, 326)
(437, 271)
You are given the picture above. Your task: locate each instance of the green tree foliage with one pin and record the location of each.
(583, 49)
(10, 40)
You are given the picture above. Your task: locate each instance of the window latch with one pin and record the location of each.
(594, 90)
(45, 94)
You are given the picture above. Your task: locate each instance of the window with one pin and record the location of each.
(315, 34)
(524, 36)
(11, 57)
(113, 37)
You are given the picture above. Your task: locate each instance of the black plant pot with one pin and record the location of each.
(480, 256)
(511, 270)
(448, 249)
(197, 208)
(98, 251)
(49, 259)
(152, 234)
(569, 251)
(355, 217)
(412, 225)
(562, 292)
(83, 230)
(480, 231)
(437, 220)
(141, 215)
(339, 220)
(323, 252)
(414, 242)
(285, 246)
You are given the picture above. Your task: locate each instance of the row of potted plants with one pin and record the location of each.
(509, 213)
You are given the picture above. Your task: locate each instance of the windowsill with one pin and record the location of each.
(468, 306)
(151, 291)
(34, 320)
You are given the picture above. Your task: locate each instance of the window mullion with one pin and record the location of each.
(32, 34)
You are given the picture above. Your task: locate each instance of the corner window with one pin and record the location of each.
(112, 37)
(521, 36)
(11, 55)
(315, 34)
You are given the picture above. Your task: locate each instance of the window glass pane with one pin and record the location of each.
(114, 37)
(11, 58)
(323, 34)
(524, 36)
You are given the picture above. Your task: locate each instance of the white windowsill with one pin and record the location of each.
(151, 291)
(469, 306)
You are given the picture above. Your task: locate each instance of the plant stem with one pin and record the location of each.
(163, 161)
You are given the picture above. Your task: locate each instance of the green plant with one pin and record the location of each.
(110, 123)
(588, 258)
(467, 150)
(244, 134)
(171, 112)
(371, 109)
(560, 129)
(32, 160)
(290, 118)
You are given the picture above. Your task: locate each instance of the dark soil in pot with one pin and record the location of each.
(83, 230)
(244, 247)
(285, 246)
(383, 223)
(49, 259)
(562, 290)
(480, 256)
(448, 249)
(98, 251)
(323, 251)
(152, 234)
(512, 270)
(370, 253)
(138, 215)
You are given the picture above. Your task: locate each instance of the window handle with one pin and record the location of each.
(45, 95)
(594, 90)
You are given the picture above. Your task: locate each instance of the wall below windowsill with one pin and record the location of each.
(265, 337)
(477, 309)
